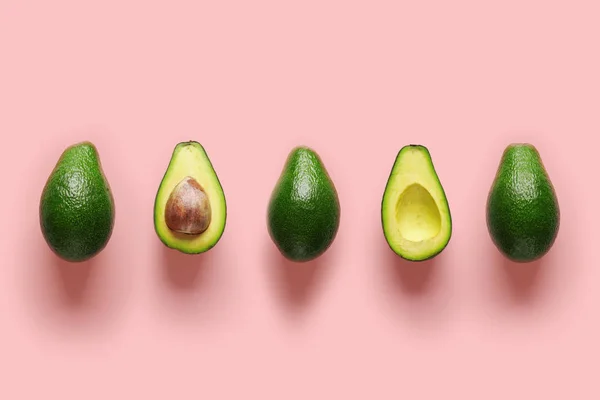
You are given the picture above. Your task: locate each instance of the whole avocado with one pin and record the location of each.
(523, 215)
(77, 207)
(304, 209)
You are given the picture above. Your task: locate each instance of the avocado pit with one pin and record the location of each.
(188, 209)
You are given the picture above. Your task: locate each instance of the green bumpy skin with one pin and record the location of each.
(304, 209)
(77, 208)
(523, 216)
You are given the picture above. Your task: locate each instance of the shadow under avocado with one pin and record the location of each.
(296, 282)
(413, 278)
(185, 272)
(74, 278)
(524, 280)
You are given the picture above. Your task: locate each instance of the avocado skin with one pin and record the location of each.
(77, 206)
(523, 215)
(304, 209)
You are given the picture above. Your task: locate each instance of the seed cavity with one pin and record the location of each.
(417, 214)
(188, 209)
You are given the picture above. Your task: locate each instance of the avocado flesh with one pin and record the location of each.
(304, 210)
(523, 215)
(189, 160)
(415, 213)
(76, 207)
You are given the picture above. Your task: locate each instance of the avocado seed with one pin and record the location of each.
(188, 209)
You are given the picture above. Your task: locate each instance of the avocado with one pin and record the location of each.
(77, 209)
(303, 215)
(190, 209)
(414, 210)
(522, 209)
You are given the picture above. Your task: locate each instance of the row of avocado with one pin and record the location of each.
(77, 210)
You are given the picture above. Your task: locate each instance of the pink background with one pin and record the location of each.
(249, 80)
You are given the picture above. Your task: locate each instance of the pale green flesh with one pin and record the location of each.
(190, 159)
(415, 214)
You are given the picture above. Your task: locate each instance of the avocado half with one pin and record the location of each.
(414, 212)
(190, 208)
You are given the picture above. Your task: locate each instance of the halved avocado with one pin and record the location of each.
(190, 209)
(414, 211)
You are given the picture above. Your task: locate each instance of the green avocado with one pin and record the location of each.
(190, 208)
(77, 209)
(304, 210)
(414, 210)
(522, 209)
